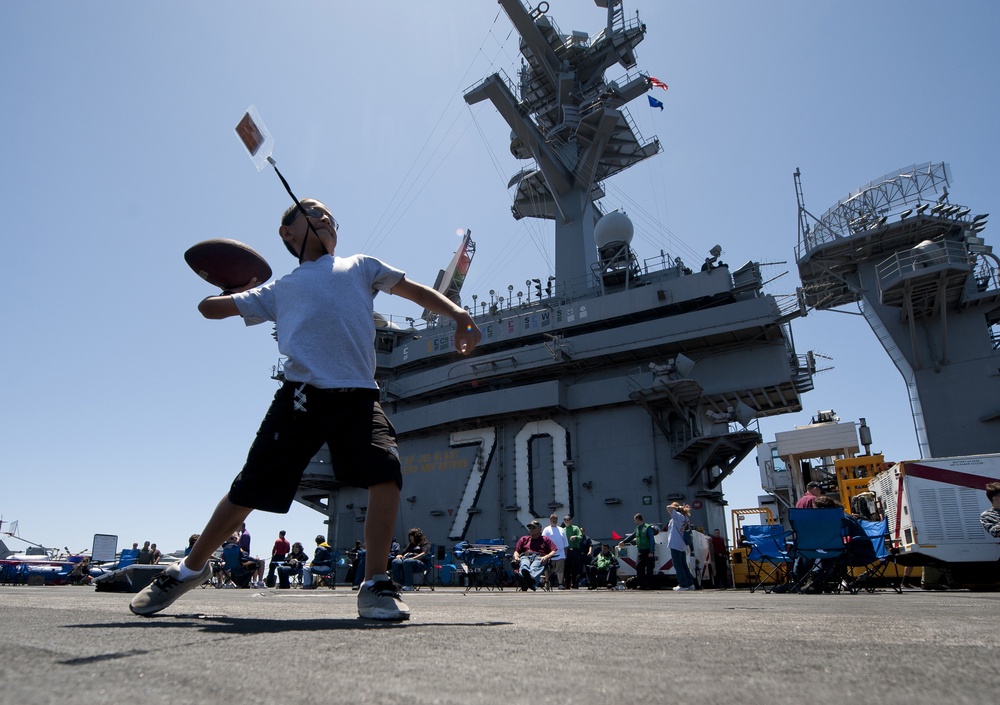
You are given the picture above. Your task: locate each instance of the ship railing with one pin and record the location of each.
(502, 75)
(561, 293)
(624, 24)
(631, 124)
(639, 378)
(800, 363)
(805, 363)
(789, 304)
(893, 268)
(986, 277)
(660, 262)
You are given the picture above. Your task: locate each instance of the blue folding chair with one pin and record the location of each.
(819, 549)
(232, 562)
(768, 558)
(127, 557)
(867, 548)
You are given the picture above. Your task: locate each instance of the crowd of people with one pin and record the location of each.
(560, 556)
(563, 557)
(149, 554)
(234, 566)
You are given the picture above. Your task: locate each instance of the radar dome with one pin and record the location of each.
(613, 227)
(517, 147)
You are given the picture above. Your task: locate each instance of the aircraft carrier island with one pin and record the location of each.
(620, 384)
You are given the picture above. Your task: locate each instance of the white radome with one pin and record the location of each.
(613, 227)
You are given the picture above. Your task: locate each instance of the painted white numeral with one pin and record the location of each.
(522, 471)
(486, 439)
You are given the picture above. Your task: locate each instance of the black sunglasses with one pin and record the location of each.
(311, 212)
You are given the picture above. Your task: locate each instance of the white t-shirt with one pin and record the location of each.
(558, 536)
(323, 312)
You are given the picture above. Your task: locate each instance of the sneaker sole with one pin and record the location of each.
(395, 617)
(147, 612)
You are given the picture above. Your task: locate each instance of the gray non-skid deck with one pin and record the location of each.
(72, 644)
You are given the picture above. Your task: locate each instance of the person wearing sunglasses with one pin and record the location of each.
(323, 313)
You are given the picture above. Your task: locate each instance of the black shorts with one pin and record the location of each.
(301, 419)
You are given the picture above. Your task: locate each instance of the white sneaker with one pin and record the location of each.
(380, 600)
(165, 588)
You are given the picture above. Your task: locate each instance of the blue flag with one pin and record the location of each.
(654, 103)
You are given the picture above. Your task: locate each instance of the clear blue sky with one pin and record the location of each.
(124, 412)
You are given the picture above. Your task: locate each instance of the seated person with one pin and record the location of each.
(352, 557)
(322, 564)
(219, 577)
(80, 575)
(531, 554)
(294, 562)
(359, 571)
(191, 541)
(603, 570)
(416, 556)
(250, 565)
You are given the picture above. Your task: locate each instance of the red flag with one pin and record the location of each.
(656, 83)
(615, 535)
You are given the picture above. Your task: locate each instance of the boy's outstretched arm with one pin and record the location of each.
(223, 306)
(467, 334)
(216, 307)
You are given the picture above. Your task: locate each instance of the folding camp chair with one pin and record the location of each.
(238, 574)
(325, 575)
(768, 558)
(867, 548)
(127, 557)
(819, 549)
(483, 565)
(425, 577)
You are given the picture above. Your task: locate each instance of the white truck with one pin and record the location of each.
(933, 507)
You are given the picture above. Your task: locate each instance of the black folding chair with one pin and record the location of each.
(425, 577)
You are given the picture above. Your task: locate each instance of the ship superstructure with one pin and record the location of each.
(927, 284)
(618, 385)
